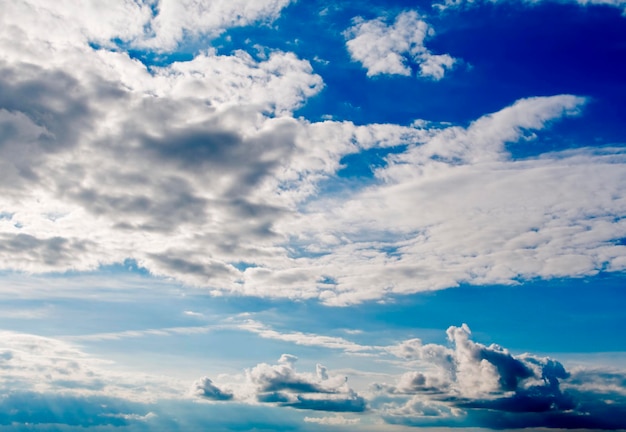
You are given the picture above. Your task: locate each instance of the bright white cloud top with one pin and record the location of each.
(195, 188)
(387, 49)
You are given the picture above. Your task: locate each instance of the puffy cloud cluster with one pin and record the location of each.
(462, 384)
(280, 384)
(390, 49)
(471, 384)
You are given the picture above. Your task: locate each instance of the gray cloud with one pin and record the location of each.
(283, 386)
(50, 252)
(487, 386)
(206, 389)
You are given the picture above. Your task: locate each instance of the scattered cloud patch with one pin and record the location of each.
(385, 49)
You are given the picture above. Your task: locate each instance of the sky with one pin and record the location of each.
(312, 215)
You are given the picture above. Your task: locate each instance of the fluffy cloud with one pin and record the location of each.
(176, 19)
(280, 384)
(205, 388)
(195, 167)
(389, 49)
(471, 384)
(154, 24)
(462, 384)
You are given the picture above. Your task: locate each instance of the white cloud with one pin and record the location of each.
(282, 385)
(194, 167)
(458, 209)
(175, 18)
(464, 383)
(389, 49)
(156, 24)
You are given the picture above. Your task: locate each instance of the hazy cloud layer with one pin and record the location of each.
(44, 366)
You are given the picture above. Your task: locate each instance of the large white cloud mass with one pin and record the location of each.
(199, 172)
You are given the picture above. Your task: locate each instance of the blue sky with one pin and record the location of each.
(312, 215)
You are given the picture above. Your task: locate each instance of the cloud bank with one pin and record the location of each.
(463, 384)
(192, 168)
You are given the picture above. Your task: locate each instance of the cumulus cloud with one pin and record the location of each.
(158, 25)
(390, 49)
(281, 385)
(175, 20)
(488, 386)
(462, 384)
(205, 388)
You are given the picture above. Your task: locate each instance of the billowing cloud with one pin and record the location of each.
(280, 384)
(205, 388)
(385, 49)
(477, 385)
(158, 25)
